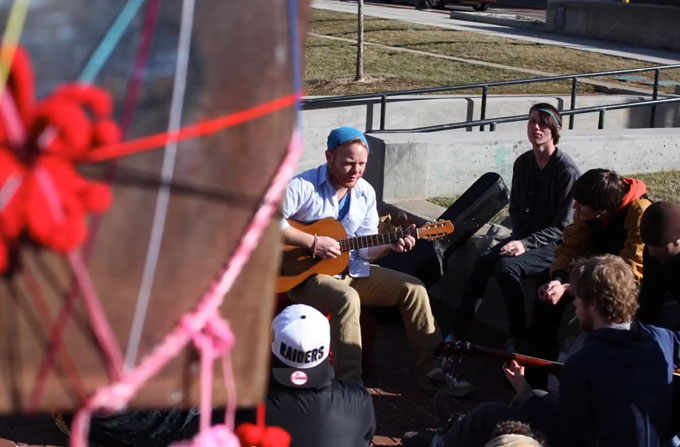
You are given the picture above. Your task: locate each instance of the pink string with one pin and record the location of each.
(17, 137)
(98, 321)
(115, 396)
(9, 188)
(56, 338)
(214, 341)
(10, 115)
(66, 360)
(100, 326)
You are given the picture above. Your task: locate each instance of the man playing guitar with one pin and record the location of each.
(337, 190)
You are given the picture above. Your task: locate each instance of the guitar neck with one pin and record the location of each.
(373, 240)
(524, 360)
(462, 348)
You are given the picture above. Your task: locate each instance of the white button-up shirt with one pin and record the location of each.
(311, 196)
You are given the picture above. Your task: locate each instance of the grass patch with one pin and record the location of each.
(664, 185)
(330, 70)
(330, 65)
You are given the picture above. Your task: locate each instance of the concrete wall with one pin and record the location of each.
(412, 166)
(654, 26)
(410, 112)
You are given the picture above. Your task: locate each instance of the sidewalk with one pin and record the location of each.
(441, 19)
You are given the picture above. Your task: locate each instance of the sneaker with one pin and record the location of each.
(418, 438)
(451, 338)
(446, 406)
(438, 380)
(426, 438)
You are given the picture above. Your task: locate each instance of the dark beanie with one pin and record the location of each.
(660, 223)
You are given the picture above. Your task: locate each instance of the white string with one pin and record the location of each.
(163, 197)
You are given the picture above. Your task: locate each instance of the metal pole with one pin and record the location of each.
(600, 121)
(383, 107)
(655, 95)
(483, 111)
(492, 127)
(574, 83)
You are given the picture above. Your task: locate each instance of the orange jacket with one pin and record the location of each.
(617, 233)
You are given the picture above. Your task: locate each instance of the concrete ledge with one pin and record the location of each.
(419, 165)
(498, 19)
(427, 110)
(652, 26)
(416, 211)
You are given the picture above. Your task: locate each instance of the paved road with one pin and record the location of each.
(527, 8)
(441, 19)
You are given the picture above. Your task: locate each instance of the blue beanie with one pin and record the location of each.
(342, 135)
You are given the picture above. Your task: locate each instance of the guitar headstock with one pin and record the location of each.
(453, 348)
(435, 230)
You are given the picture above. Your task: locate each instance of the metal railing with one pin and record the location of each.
(492, 122)
(340, 101)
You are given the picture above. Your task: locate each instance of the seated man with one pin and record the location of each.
(337, 190)
(608, 210)
(487, 425)
(304, 398)
(660, 288)
(615, 391)
(540, 209)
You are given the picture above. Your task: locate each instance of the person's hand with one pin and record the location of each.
(326, 247)
(405, 243)
(552, 292)
(513, 248)
(515, 375)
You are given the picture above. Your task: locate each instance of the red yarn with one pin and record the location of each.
(252, 435)
(259, 435)
(41, 192)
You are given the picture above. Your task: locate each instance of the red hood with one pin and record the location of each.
(636, 189)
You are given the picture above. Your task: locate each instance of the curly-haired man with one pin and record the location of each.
(617, 389)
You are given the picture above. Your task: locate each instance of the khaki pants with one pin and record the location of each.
(343, 298)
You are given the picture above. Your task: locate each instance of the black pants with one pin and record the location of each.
(544, 330)
(508, 271)
(537, 408)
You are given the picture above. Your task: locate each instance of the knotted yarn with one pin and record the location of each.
(42, 194)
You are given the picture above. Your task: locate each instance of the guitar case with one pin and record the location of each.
(478, 204)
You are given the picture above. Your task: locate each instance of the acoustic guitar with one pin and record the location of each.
(297, 263)
(457, 349)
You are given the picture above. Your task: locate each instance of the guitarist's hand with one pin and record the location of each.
(552, 292)
(515, 375)
(327, 247)
(405, 243)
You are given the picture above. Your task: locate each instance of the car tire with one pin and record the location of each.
(431, 4)
(481, 7)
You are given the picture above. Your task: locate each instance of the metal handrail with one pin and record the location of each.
(337, 101)
(342, 98)
(492, 122)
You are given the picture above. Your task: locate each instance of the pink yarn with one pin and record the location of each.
(99, 323)
(116, 395)
(216, 436)
(10, 116)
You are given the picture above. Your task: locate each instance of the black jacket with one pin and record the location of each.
(336, 415)
(617, 390)
(659, 285)
(540, 199)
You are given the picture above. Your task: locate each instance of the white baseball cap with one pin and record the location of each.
(301, 341)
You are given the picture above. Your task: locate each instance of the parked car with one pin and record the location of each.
(478, 5)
